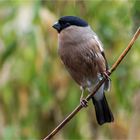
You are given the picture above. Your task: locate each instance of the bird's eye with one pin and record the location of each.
(61, 22)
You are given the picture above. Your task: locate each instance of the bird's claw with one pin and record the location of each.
(83, 102)
(106, 75)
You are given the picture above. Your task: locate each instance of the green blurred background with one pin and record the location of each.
(37, 93)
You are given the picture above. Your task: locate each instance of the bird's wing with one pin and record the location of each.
(94, 55)
(100, 46)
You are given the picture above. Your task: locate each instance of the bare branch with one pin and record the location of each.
(79, 107)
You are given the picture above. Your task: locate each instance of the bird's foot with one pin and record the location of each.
(106, 75)
(83, 102)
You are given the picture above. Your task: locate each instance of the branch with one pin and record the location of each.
(79, 107)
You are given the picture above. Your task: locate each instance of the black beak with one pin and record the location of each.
(57, 26)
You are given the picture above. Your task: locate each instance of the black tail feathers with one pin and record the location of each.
(103, 113)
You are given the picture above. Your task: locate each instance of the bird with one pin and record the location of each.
(82, 53)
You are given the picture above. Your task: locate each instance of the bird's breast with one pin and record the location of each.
(82, 71)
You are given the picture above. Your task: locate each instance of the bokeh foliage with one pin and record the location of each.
(36, 92)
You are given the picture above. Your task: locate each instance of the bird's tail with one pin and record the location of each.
(103, 112)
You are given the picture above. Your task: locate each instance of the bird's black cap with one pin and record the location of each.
(67, 21)
(73, 20)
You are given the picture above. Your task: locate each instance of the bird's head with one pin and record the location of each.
(67, 21)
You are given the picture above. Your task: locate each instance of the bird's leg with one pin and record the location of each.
(82, 100)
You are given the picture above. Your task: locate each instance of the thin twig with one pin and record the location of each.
(79, 107)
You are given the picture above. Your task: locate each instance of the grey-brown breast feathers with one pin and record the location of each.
(81, 54)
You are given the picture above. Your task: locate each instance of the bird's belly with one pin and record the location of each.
(81, 72)
(84, 72)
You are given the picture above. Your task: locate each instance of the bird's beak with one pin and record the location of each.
(57, 26)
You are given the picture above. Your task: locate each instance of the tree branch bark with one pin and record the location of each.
(79, 107)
